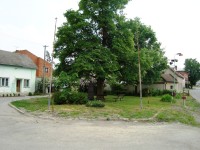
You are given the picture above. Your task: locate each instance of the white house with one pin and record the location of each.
(170, 80)
(17, 73)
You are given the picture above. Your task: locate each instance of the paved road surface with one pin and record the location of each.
(22, 132)
(195, 93)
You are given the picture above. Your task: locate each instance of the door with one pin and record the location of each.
(18, 85)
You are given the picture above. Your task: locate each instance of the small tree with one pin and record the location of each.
(192, 66)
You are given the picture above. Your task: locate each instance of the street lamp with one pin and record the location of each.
(173, 61)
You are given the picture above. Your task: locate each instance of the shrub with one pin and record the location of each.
(155, 92)
(76, 98)
(167, 92)
(58, 98)
(30, 94)
(67, 97)
(145, 92)
(117, 88)
(95, 104)
(167, 98)
(178, 96)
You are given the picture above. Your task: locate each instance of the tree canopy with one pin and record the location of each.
(192, 66)
(98, 42)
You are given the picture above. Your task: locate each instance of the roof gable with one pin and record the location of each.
(14, 59)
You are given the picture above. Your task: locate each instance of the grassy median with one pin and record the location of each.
(127, 109)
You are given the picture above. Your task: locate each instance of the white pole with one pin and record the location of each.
(50, 84)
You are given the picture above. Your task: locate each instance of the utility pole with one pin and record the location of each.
(139, 67)
(44, 92)
(51, 77)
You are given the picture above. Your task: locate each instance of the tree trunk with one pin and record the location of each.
(100, 88)
(91, 91)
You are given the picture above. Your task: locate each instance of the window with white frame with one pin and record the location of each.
(26, 83)
(4, 81)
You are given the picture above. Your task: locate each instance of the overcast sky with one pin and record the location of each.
(29, 24)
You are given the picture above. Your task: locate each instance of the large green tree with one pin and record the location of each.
(93, 40)
(98, 42)
(192, 66)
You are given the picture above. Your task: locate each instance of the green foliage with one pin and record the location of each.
(157, 92)
(58, 98)
(76, 98)
(152, 57)
(30, 94)
(167, 92)
(68, 97)
(145, 92)
(167, 98)
(97, 41)
(117, 88)
(178, 96)
(192, 66)
(96, 103)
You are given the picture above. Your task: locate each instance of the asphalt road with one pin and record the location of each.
(25, 132)
(195, 93)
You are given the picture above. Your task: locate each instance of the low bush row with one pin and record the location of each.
(69, 97)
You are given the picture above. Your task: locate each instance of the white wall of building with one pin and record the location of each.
(17, 73)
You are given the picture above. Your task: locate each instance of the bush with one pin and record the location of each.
(58, 98)
(95, 104)
(155, 92)
(117, 88)
(30, 94)
(76, 98)
(167, 98)
(167, 92)
(178, 96)
(145, 92)
(67, 97)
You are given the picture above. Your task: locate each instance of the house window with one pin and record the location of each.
(4, 81)
(171, 87)
(26, 83)
(46, 70)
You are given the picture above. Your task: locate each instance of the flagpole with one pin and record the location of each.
(51, 78)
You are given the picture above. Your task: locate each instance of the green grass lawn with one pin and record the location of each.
(128, 109)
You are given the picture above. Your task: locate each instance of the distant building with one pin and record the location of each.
(170, 80)
(186, 76)
(17, 73)
(40, 63)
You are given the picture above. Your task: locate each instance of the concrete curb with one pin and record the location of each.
(19, 110)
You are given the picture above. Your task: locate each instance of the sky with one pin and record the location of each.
(29, 24)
